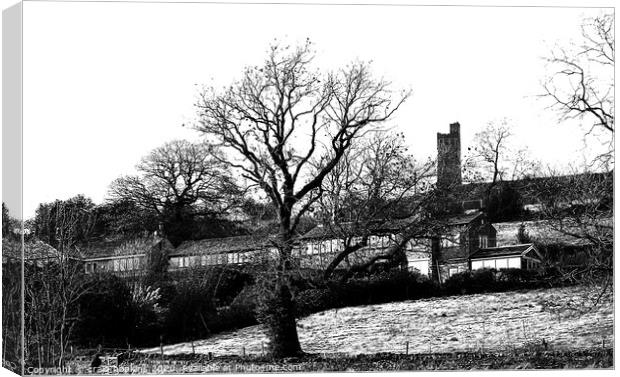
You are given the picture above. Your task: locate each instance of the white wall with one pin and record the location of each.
(497, 263)
(422, 265)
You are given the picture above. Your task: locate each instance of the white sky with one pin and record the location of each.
(104, 83)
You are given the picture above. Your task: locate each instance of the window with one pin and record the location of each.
(514, 263)
(501, 263)
(453, 271)
(483, 241)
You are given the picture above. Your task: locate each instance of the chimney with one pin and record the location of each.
(449, 157)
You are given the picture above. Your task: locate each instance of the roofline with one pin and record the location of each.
(111, 257)
(515, 253)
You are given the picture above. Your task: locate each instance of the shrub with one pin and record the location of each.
(522, 235)
(315, 300)
(468, 282)
(380, 288)
(188, 309)
(106, 313)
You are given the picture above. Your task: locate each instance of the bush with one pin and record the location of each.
(315, 300)
(380, 288)
(491, 280)
(106, 313)
(469, 282)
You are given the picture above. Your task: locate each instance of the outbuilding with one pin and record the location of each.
(524, 256)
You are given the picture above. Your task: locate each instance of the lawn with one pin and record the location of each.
(555, 319)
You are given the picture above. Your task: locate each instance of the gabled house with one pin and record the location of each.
(464, 234)
(438, 255)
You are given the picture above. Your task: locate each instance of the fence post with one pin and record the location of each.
(161, 346)
(407, 347)
(484, 331)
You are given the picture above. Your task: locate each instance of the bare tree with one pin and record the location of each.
(373, 185)
(581, 82)
(580, 206)
(494, 158)
(180, 181)
(275, 120)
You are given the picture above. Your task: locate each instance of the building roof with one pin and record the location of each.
(33, 250)
(223, 245)
(117, 247)
(352, 229)
(462, 219)
(502, 251)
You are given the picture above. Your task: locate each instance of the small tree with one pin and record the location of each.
(494, 159)
(275, 120)
(522, 235)
(52, 288)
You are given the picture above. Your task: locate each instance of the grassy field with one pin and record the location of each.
(558, 319)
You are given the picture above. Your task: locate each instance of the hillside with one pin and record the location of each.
(495, 321)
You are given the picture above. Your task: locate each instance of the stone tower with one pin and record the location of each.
(449, 157)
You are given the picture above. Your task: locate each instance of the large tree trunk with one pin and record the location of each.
(277, 310)
(284, 341)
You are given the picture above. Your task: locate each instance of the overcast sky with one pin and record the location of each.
(104, 83)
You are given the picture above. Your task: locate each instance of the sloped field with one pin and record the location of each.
(561, 317)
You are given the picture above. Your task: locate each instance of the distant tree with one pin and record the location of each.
(494, 158)
(9, 223)
(123, 217)
(580, 84)
(275, 120)
(181, 182)
(76, 211)
(504, 203)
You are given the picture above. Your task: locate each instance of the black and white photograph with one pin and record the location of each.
(263, 187)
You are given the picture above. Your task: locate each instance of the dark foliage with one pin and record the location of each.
(504, 203)
(522, 235)
(491, 280)
(380, 288)
(106, 313)
(123, 217)
(47, 214)
(192, 305)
